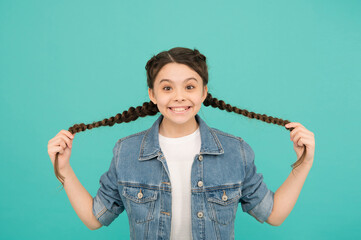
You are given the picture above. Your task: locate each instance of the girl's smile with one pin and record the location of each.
(180, 110)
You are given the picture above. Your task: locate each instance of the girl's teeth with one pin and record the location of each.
(179, 109)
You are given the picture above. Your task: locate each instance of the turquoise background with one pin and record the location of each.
(68, 62)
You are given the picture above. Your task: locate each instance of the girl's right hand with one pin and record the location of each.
(61, 144)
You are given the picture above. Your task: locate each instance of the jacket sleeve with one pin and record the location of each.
(107, 204)
(257, 199)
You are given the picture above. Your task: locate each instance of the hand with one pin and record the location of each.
(62, 144)
(302, 137)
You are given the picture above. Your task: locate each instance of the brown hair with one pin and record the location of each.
(195, 60)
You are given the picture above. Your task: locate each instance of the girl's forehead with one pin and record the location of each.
(176, 69)
(176, 73)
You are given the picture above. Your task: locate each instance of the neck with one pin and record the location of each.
(174, 130)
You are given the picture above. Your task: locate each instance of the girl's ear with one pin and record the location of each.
(151, 95)
(205, 93)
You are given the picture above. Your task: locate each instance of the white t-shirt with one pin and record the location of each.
(179, 154)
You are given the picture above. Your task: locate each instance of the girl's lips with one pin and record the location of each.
(181, 112)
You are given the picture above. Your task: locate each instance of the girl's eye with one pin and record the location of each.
(166, 88)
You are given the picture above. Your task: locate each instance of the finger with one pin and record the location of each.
(297, 136)
(306, 142)
(304, 133)
(67, 140)
(57, 149)
(301, 128)
(54, 150)
(296, 131)
(60, 142)
(300, 142)
(302, 139)
(292, 124)
(297, 126)
(67, 133)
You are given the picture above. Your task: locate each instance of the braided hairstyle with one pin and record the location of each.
(195, 60)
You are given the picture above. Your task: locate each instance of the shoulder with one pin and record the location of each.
(225, 135)
(132, 138)
(227, 138)
(129, 143)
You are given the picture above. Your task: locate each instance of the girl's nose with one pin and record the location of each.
(179, 96)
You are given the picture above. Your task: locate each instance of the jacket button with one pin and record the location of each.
(224, 197)
(140, 194)
(200, 214)
(200, 184)
(200, 157)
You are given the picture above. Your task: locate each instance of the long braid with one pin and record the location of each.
(132, 114)
(214, 102)
(150, 109)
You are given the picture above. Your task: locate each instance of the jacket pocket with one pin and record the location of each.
(141, 202)
(223, 204)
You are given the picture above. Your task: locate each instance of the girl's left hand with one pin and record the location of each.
(300, 137)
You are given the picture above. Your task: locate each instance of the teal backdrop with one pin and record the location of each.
(69, 62)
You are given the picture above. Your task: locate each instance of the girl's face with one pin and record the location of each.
(178, 92)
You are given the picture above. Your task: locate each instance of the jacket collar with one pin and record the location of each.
(150, 147)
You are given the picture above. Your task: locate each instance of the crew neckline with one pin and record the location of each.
(179, 139)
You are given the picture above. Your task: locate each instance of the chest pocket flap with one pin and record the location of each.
(225, 196)
(139, 194)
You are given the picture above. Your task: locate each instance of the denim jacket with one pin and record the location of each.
(223, 174)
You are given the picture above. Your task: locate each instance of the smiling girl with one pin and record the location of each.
(181, 179)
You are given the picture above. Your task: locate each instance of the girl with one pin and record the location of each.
(181, 179)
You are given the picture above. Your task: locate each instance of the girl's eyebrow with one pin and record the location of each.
(168, 80)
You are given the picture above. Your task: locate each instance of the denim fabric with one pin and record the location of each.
(223, 175)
